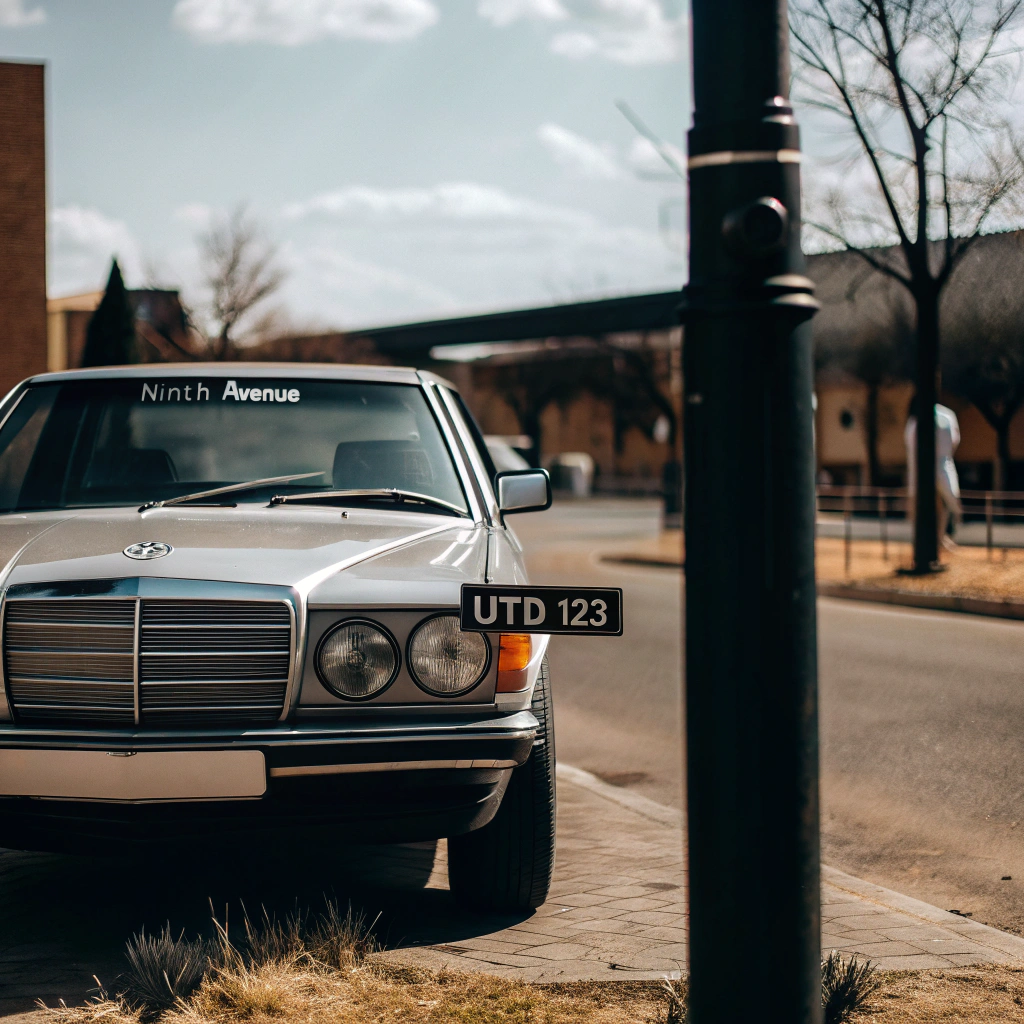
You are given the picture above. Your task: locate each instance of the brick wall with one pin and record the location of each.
(22, 223)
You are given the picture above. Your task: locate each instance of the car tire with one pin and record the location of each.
(506, 865)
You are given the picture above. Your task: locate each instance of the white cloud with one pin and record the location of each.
(624, 31)
(197, 215)
(293, 22)
(82, 243)
(14, 15)
(362, 255)
(645, 159)
(378, 255)
(453, 203)
(578, 155)
(335, 287)
(505, 12)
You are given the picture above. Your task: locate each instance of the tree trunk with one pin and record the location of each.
(529, 424)
(874, 468)
(223, 343)
(926, 540)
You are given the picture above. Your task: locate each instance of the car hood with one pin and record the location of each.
(370, 556)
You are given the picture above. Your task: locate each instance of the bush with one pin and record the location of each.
(330, 937)
(845, 986)
(163, 970)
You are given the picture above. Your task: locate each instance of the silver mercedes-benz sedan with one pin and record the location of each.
(230, 609)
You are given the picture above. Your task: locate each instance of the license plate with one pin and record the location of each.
(147, 776)
(588, 611)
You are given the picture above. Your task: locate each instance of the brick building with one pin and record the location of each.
(22, 222)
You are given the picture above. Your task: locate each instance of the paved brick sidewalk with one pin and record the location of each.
(617, 908)
(618, 903)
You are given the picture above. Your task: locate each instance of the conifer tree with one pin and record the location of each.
(110, 336)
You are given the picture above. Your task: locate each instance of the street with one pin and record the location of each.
(921, 718)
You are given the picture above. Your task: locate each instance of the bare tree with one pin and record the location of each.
(918, 84)
(983, 338)
(865, 328)
(241, 271)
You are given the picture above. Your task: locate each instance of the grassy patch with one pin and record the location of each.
(977, 995)
(325, 969)
(303, 992)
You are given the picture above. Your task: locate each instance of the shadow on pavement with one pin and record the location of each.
(65, 919)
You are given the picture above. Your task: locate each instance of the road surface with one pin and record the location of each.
(922, 718)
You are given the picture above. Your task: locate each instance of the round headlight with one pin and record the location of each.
(444, 660)
(356, 660)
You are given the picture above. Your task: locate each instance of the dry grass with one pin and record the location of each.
(302, 992)
(979, 995)
(969, 571)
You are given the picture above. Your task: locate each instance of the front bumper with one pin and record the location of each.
(367, 780)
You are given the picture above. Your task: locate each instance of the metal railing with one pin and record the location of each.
(887, 504)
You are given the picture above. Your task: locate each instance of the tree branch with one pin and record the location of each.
(864, 254)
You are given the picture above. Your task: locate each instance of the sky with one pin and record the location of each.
(411, 158)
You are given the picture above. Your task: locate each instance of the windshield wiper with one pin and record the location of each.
(368, 494)
(248, 485)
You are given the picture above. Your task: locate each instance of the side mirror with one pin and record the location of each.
(523, 490)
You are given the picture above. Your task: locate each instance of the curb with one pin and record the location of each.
(1005, 609)
(657, 563)
(983, 934)
(623, 797)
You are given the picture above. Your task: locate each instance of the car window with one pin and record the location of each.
(122, 441)
(477, 435)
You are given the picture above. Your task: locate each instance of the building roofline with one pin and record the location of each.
(653, 311)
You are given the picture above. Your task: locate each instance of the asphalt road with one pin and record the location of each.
(922, 718)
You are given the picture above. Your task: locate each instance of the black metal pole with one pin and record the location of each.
(751, 663)
(926, 524)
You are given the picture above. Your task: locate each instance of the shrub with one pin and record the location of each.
(163, 969)
(845, 986)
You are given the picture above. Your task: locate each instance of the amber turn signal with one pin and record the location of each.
(514, 652)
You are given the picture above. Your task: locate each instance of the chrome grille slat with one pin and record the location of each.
(213, 661)
(75, 612)
(192, 663)
(71, 660)
(162, 652)
(69, 665)
(69, 638)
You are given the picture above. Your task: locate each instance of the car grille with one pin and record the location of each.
(160, 663)
(71, 660)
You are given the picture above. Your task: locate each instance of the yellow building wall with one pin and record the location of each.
(583, 425)
(840, 445)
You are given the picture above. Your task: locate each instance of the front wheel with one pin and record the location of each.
(507, 864)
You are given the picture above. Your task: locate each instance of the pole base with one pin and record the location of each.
(912, 570)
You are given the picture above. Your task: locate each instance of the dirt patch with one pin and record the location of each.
(622, 778)
(984, 995)
(971, 572)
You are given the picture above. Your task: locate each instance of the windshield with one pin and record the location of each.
(130, 441)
